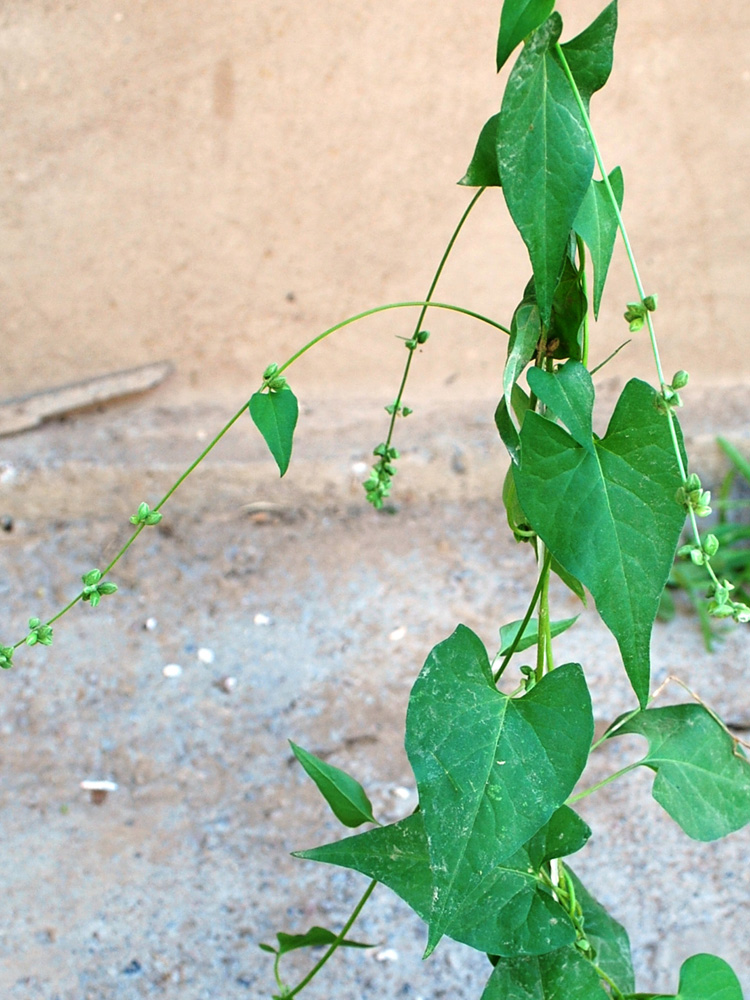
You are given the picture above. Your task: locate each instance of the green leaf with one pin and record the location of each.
(517, 20)
(702, 776)
(565, 833)
(482, 171)
(344, 795)
(608, 938)
(569, 393)
(275, 416)
(544, 156)
(506, 428)
(608, 512)
(569, 580)
(596, 224)
(316, 937)
(590, 54)
(507, 912)
(560, 975)
(525, 331)
(569, 307)
(703, 977)
(530, 635)
(490, 769)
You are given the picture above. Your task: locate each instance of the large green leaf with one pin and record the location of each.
(608, 938)
(482, 171)
(490, 769)
(702, 775)
(275, 415)
(702, 977)
(560, 975)
(596, 224)
(544, 156)
(606, 508)
(507, 911)
(517, 20)
(590, 54)
(345, 796)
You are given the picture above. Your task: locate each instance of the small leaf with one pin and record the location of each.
(490, 769)
(702, 776)
(608, 938)
(564, 973)
(275, 416)
(506, 913)
(569, 308)
(517, 20)
(344, 795)
(608, 512)
(596, 224)
(525, 331)
(565, 833)
(569, 393)
(703, 977)
(544, 156)
(569, 580)
(590, 54)
(316, 937)
(530, 635)
(506, 428)
(482, 171)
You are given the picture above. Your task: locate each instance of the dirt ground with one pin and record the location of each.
(214, 187)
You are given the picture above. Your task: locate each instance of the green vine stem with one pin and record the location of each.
(543, 574)
(333, 946)
(640, 289)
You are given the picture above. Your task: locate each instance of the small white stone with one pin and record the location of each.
(386, 955)
(261, 619)
(206, 655)
(172, 670)
(150, 624)
(401, 792)
(359, 468)
(397, 633)
(99, 786)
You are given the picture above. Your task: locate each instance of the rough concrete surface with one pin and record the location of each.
(323, 612)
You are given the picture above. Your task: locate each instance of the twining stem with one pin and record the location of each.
(582, 264)
(602, 783)
(544, 635)
(421, 303)
(334, 944)
(543, 573)
(639, 286)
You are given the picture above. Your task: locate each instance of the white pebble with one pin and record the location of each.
(261, 619)
(172, 670)
(206, 655)
(150, 624)
(359, 468)
(401, 792)
(387, 955)
(397, 633)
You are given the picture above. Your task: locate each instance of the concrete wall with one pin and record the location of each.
(216, 183)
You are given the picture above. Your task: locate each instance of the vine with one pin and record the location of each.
(483, 858)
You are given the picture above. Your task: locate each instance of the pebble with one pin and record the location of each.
(397, 633)
(206, 655)
(261, 619)
(172, 670)
(387, 955)
(150, 624)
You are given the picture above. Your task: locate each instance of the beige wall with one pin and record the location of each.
(216, 182)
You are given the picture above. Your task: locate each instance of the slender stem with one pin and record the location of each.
(544, 638)
(601, 784)
(613, 729)
(334, 944)
(582, 261)
(526, 617)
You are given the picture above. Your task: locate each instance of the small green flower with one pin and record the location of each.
(145, 515)
(93, 587)
(38, 633)
(6, 657)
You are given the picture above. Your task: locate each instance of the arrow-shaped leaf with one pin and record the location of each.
(275, 415)
(596, 224)
(316, 937)
(564, 973)
(490, 769)
(482, 171)
(608, 512)
(507, 912)
(345, 796)
(530, 635)
(702, 775)
(544, 156)
(590, 54)
(517, 20)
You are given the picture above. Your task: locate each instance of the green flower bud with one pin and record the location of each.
(650, 303)
(680, 379)
(423, 336)
(710, 545)
(270, 371)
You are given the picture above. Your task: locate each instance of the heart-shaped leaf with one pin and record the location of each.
(345, 796)
(490, 769)
(606, 508)
(507, 911)
(590, 54)
(275, 415)
(702, 775)
(702, 977)
(560, 975)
